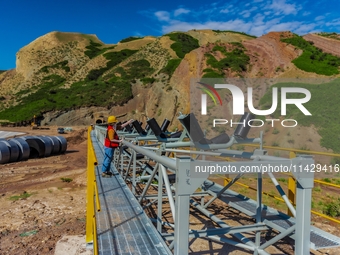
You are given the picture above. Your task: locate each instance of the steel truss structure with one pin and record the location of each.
(144, 158)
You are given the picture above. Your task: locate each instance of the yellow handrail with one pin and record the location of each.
(295, 150)
(327, 184)
(326, 216)
(97, 196)
(92, 190)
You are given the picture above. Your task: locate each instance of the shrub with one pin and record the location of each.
(94, 49)
(148, 80)
(139, 69)
(183, 43)
(21, 196)
(235, 60)
(131, 38)
(171, 66)
(331, 35)
(66, 179)
(51, 96)
(275, 131)
(332, 208)
(114, 59)
(60, 65)
(235, 32)
(317, 189)
(117, 57)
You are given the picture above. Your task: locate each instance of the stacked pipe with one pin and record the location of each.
(25, 147)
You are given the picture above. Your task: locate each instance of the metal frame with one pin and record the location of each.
(186, 185)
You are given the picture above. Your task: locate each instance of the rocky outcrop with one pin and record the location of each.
(328, 45)
(269, 56)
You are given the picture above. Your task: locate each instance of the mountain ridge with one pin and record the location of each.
(73, 78)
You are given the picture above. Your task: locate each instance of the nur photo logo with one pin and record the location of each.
(238, 103)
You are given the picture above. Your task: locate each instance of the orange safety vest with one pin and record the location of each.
(107, 141)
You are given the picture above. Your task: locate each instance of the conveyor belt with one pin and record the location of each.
(122, 225)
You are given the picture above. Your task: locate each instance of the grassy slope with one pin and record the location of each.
(324, 107)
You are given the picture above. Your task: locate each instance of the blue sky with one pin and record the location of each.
(23, 21)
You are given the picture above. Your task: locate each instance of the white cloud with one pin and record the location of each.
(319, 18)
(162, 15)
(248, 12)
(254, 8)
(259, 18)
(285, 26)
(334, 22)
(225, 11)
(258, 30)
(305, 29)
(258, 26)
(138, 34)
(281, 7)
(237, 25)
(228, 9)
(181, 11)
(245, 14)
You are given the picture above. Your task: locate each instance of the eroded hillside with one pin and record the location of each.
(70, 78)
(59, 73)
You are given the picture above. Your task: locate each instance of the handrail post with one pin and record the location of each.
(305, 184)
(291, 187)
(181, 241)
(291, 193)
(134, 154)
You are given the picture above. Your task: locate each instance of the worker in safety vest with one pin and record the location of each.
(111, 142)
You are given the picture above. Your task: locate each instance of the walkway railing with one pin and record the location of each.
(92, 197)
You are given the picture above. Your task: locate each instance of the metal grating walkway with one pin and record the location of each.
(122, 225)
(273, 218)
